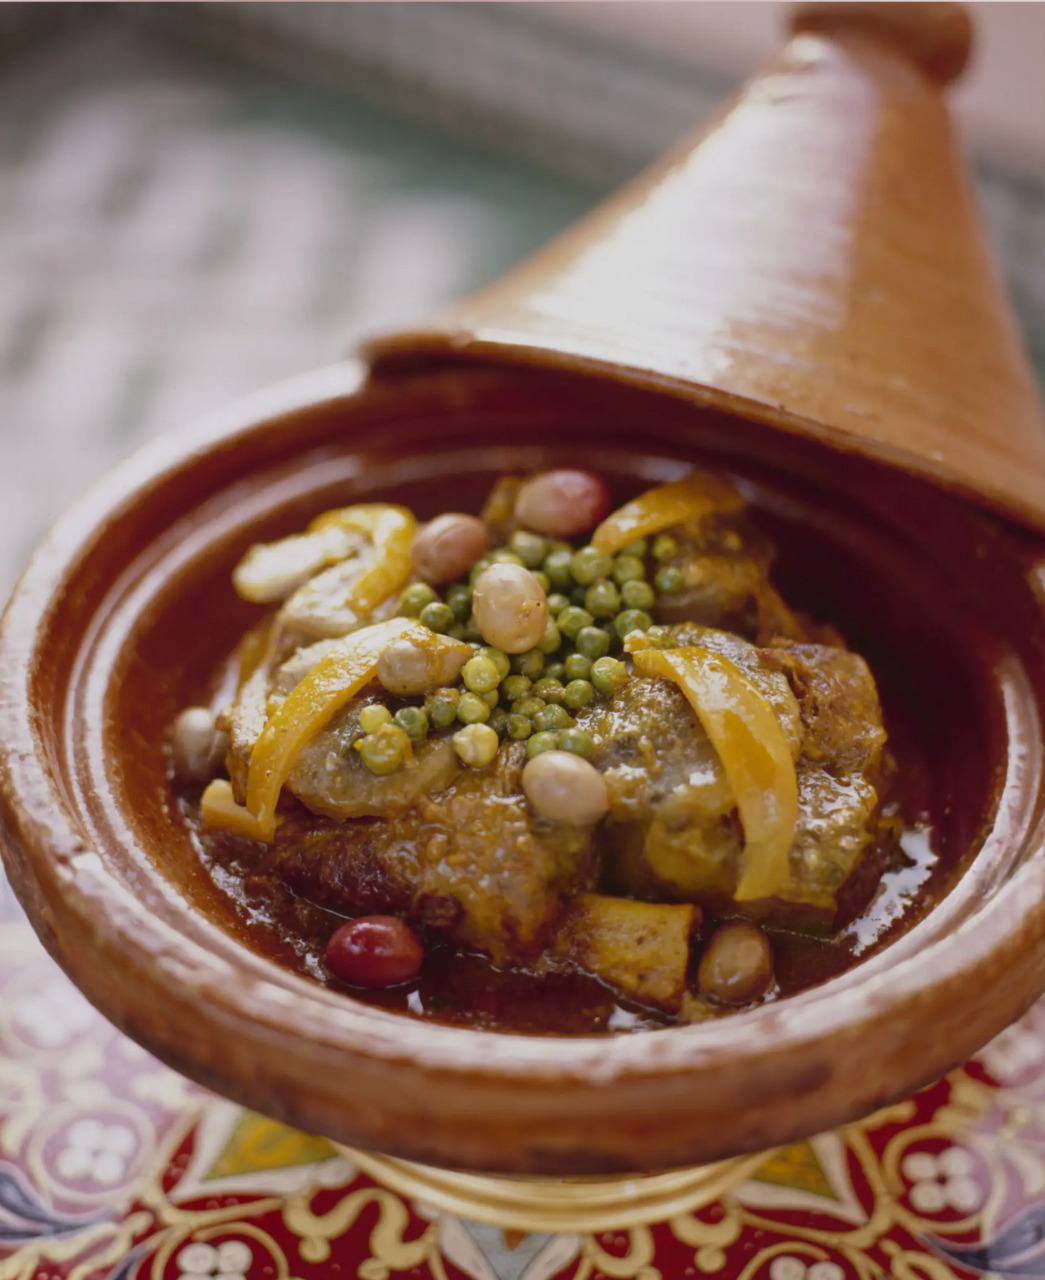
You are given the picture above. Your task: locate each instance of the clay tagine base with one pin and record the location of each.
(103, 648)
(116, 1167)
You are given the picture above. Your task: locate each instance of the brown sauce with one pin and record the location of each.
(890, 612)
(468, 990)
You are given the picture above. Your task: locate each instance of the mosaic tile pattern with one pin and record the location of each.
(114, 1168)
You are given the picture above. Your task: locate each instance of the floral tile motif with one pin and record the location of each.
(114, 1168)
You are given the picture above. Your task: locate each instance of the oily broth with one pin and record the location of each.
(467, 990)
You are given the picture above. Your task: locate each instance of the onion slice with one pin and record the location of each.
(750, 742)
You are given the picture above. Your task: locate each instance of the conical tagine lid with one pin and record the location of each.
(812, 259)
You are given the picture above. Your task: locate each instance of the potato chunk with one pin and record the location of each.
(641, 948)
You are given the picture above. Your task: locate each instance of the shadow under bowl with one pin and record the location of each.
(126, 612)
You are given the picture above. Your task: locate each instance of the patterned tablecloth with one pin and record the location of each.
(112, 1167)
(175, 233)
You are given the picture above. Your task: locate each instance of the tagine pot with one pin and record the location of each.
(800, 294)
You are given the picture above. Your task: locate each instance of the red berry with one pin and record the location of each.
(374, 951)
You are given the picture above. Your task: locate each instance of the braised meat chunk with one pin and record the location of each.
(672, 829)
(466, 861)
(566, 739)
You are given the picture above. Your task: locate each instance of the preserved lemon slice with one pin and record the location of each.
(332, 683)
(391, 530)
(750, 742)
(661, 508)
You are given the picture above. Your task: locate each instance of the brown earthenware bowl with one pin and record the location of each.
(125, 612)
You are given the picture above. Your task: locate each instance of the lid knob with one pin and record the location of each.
(935, 36)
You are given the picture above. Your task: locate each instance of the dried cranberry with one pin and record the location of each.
(374, 951)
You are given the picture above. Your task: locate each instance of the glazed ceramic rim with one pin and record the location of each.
(569, 1081)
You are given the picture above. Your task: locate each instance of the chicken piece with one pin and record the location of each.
(841, 713)
(269, 677)
(843, 767)
(330, 778)
(469, 862)
(275, 661)
(271, 571)
(244, 721)
(318, 610)
(673, 831)
(752, 663)
(725, 568)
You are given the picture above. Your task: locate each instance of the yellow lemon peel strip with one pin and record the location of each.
(750, 742)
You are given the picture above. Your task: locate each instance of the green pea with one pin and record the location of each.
(471, 632)
(638, 595)
(383, 752)
(531, 548)
(480, 675)
(669, 580)
(577, 667)
(661, 637)
(608, 674)
(557, 567)
(437, 616)
(550, 718)
(456, 632)
(519, 727)
(628, 569)
(602, 599)
(491, 697)
(414, 599)
(441, 707)
(528, 706)
(557, 602)
(592, 642)
(664, 547)
(476, 745)
(498, 657)
(503, 556)
(578, 694)
(589, 565)
(577, 596)
(543, 579)
(459, 598)
(572, 619)
(471, 709)
(555, 671)
(548, 689)
(632, 620)
(541, 742)
(579, 741)
(498, 721)
(529, 664)
(372, 717)
(636, 549)
(551, 639)
(413, 722)
(479, 568)
(513, 687)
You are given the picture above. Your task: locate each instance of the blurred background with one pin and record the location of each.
(199, 199)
